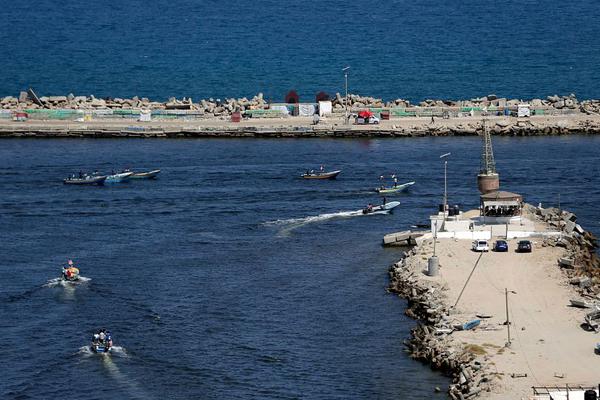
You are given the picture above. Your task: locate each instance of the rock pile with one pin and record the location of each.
(356, 101)
(209, 107)
(580, 261)
(218, 107)
(430, 342)
(590, 106)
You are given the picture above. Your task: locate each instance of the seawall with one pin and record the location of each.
(304, 127)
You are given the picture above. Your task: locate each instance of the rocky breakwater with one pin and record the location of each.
(207, 107)
(555, 102)
(580, 262)
(471, 367)
(431, 341)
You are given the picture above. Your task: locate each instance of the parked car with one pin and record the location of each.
(500, 246)
(524, 246)
(366, 121)
(481, 245)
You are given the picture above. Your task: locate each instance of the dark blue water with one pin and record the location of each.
(213, 284)
(400, 48)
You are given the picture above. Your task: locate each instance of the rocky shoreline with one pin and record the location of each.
(216, 107)
(472, 370)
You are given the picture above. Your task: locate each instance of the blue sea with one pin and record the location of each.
(206, 48)
(229, 276)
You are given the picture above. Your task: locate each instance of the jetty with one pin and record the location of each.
(503, 322)
(29, 115)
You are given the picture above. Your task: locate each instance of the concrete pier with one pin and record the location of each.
(546, 345)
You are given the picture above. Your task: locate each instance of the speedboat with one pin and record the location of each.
(70, 274)
(102, 341)
(393, 189)
(381, 209)
(320, 175)
(120, 177)
(145, 175)
(85, 180)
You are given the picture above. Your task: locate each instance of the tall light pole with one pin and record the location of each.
(444, 157)
(506, 292)
(345, 70)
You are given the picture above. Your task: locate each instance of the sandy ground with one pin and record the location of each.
(547, 340)
(328, 123)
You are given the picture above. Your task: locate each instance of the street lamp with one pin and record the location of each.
(506, 292)
(345, 70)
(444, 157)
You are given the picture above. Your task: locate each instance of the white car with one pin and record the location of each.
(367, 121)
(481, 245)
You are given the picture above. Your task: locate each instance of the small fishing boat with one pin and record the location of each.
(70, 274)
(320, 175)
(145, 175)
(120, 177)
(394, 189)
(101, 341)
(468, 325)
(381, 209)
(85, 180)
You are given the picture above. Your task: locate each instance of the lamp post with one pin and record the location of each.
(444, 157)
(506, 292)
(345, 70)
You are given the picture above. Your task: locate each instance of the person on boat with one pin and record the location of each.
(395, 182)
(307, 172)
(384, 200)
(112, 172)
(321, 168)
(370, 208)
(102, 336)
(80, 174)
(95, 338)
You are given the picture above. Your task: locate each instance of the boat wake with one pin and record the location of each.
(315, 218)
(290, 224)
(133, 388)
(55, 282)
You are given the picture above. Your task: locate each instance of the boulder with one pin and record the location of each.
(536, 103)
(57, 99)
(98, 103)
(8, 100)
